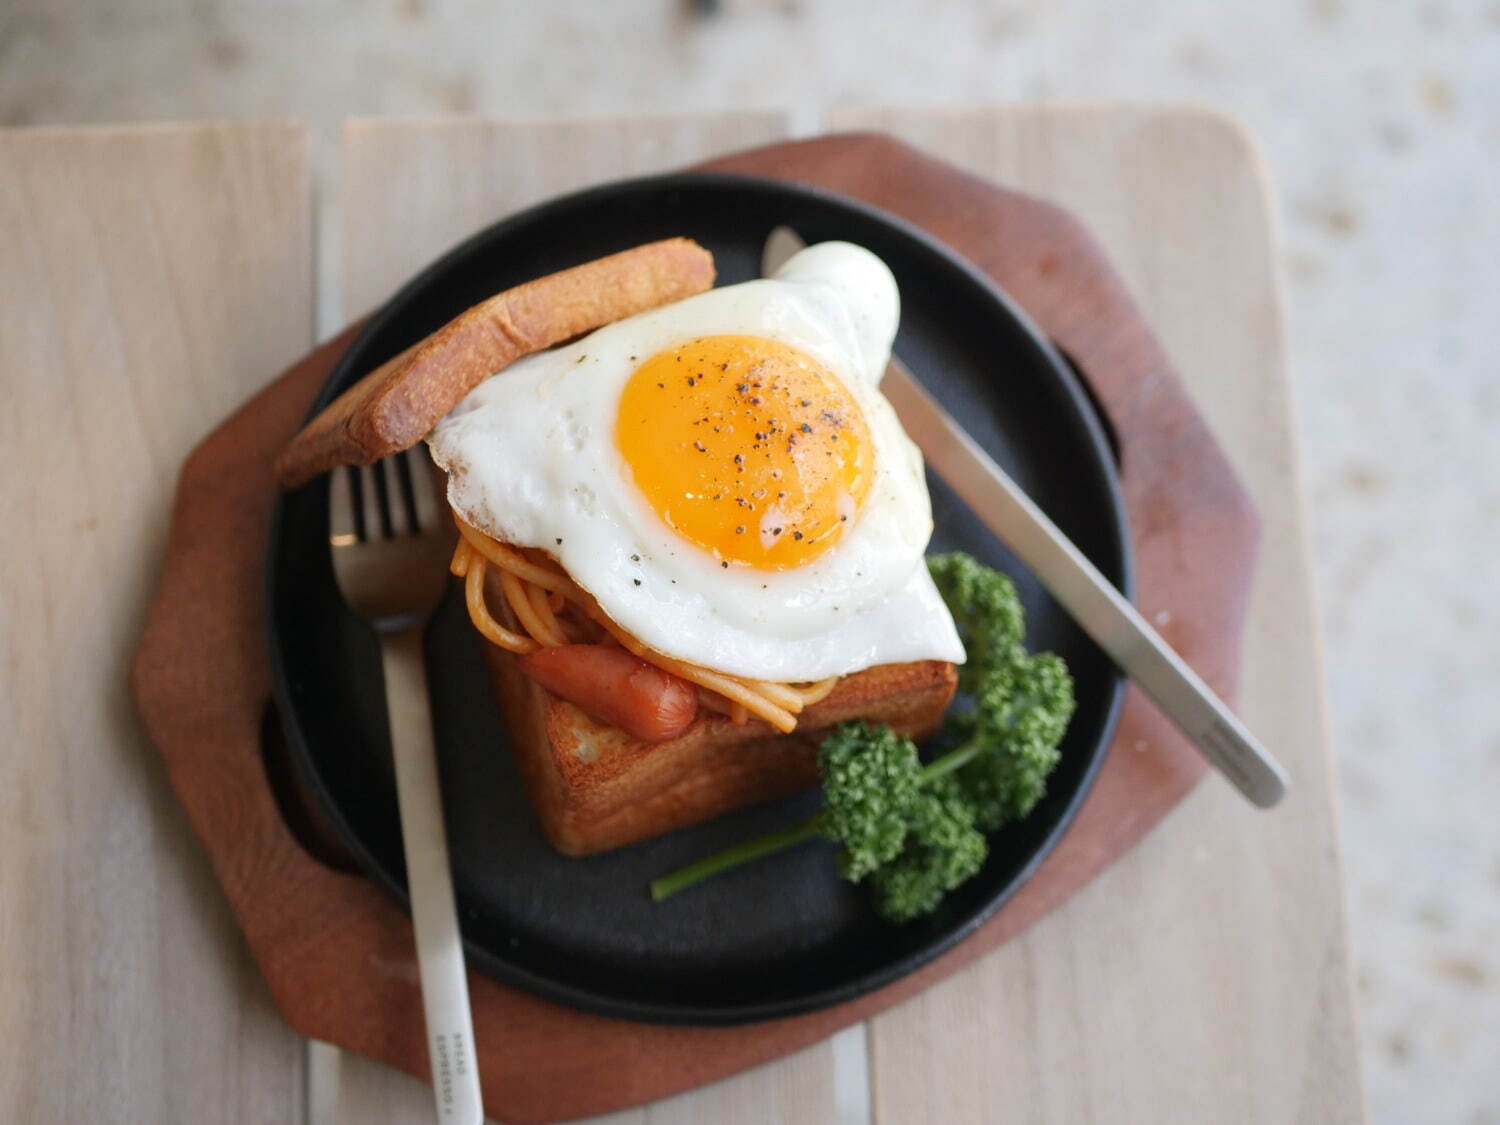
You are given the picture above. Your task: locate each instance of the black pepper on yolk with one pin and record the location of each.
(746, 447)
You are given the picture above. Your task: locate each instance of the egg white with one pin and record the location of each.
(532, 461)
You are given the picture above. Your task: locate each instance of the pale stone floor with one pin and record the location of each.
(1381, 120)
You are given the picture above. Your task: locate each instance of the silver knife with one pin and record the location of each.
(1089, 598)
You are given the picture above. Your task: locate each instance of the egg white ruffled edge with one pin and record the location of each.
(866, 630)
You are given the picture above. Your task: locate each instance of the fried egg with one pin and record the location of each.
(722, 474)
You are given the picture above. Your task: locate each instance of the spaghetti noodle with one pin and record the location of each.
(542, 607)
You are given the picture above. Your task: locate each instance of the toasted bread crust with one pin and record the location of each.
(398, 403)
(594, 788)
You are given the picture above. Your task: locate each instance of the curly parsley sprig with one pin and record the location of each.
(914, 832)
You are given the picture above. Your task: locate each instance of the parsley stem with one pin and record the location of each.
(954, 759)
(709, 866)
(706, 868)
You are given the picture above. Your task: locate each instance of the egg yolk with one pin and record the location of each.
(746, 447)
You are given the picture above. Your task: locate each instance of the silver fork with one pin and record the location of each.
(391, 543)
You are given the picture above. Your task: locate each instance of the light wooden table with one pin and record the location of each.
(151, 278)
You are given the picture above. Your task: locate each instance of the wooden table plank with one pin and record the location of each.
(151, 278)
(154, 276)
(799, 1088)
(410, 190)
(1206, 976)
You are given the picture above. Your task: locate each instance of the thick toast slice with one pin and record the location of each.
(396, 405)
(594, 787)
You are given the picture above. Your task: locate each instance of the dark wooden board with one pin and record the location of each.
(337, 952)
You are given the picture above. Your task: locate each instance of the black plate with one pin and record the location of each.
(778, 937)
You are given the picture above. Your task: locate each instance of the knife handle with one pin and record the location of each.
(1185, 699)
(1089, 598)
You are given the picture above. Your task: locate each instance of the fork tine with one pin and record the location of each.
(408, 506)
(360, 490)
(392, 497)
(379, 473)
(427, 486)
(343, 507)
(369, 504)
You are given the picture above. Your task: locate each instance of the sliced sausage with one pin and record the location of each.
(616, 687)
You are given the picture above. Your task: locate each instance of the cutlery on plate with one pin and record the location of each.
(1100, 610)
(391, 543)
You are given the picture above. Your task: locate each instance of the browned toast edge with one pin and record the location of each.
(396, 405)
(594, 788)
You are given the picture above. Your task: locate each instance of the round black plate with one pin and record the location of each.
(784, 935)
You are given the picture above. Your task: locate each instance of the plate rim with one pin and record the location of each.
(711, 1015)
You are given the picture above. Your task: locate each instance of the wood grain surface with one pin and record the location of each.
(1204, 977)
(150, 279)
(343, 969)
(412, 189)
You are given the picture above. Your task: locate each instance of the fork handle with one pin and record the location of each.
(429, 879)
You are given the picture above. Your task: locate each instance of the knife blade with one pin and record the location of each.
(1100, 610)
